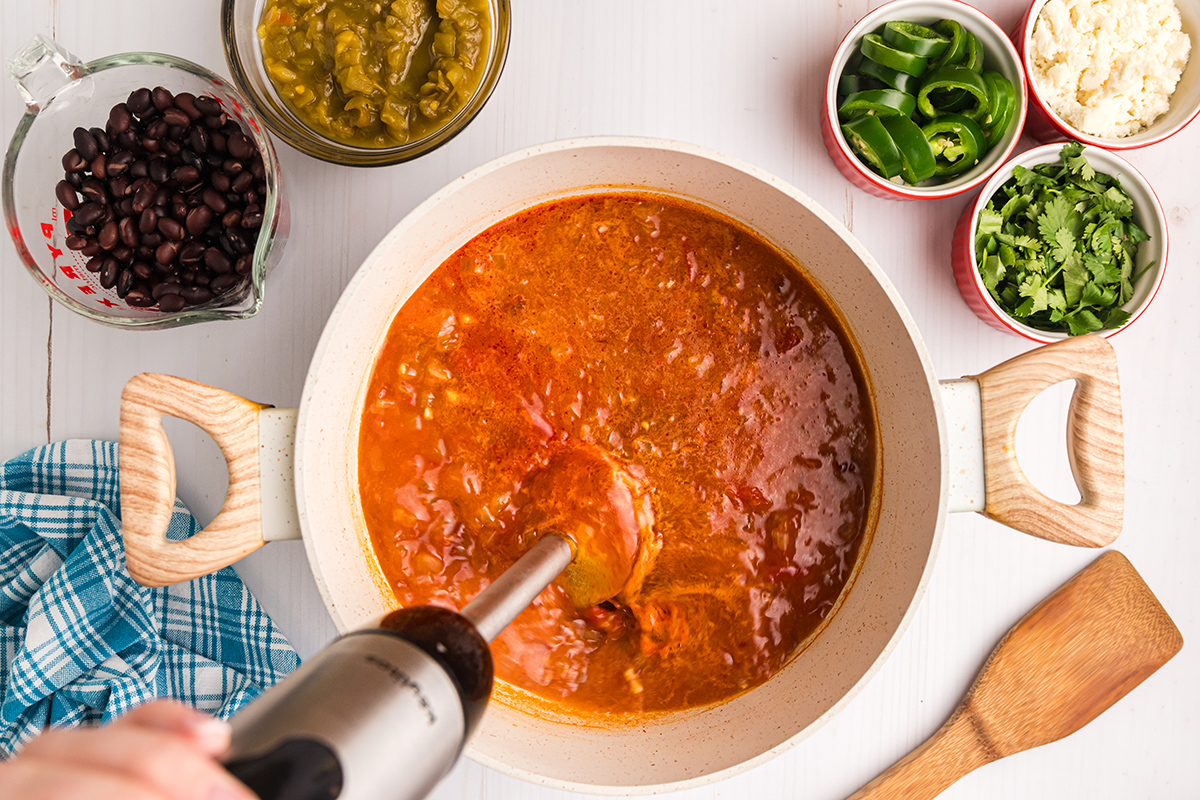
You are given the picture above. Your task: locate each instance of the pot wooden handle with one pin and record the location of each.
(1095, 442)
(147, 476)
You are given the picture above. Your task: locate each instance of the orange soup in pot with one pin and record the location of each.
(667, 340)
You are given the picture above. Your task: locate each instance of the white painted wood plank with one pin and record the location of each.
(744, 78)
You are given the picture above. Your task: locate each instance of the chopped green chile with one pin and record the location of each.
(974, 59)
(957, 142)
(1002, 102)
(371, 73)
(938, 93)
(875, 48)
(879, 102)
(871, 141)
(902, 81)
(913, 38)
(917, 162)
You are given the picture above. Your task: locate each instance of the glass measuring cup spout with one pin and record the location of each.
(61, 94)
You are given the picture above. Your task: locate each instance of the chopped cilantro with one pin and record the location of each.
(1057, 246)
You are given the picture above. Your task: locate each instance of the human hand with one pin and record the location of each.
(158, 751)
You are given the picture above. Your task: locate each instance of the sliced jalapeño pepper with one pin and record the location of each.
(875, 48)
(916, 39)
(957, 142)
(916, 154)
(849, 84)
(879, 102)
(974, 59)
(873, 144)
(1002, 102)
(892, 77)
(956, 53)
(939, 92)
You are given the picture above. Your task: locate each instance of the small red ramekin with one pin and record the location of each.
(1047, 126)
(1001, 56)
(1147, 212)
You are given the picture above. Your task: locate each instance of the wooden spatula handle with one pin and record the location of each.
(926, 772)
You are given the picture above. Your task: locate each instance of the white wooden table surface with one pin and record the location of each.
(744, 78)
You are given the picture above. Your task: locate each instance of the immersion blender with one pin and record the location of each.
(383, 713)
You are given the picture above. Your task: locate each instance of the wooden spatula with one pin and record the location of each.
(1084, 648)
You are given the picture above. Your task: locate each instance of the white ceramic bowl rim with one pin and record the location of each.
(1165, 126)
(1148, 213)
(980, 24)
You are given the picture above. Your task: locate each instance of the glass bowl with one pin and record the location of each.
(239, 31)
(60, 94)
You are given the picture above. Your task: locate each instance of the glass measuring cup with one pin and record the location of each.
(60, 94)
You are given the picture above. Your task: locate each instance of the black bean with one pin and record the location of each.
(240, 146)
(187, 277)
(188, 156)
(95, 262)
(139, 101)
(185, 175)
(242, 182)
(170, 147)
(207, 105)
(177, 118)
(124, 283)
(139, 169)
(129, 140)
(220, 181)
(144, 198)
(74, 225)
(162, 198)
(66, 195)
(252, 219)
(186, 102)
(171, 302)
(157, 129)
(232, 218)
(162, 98)
(129, 231)
(74, 161)
(152, 239)
(199, 139)
(73, 178)
(217, 261)
(142, 270)
(122, 253)
(257, 168)
(94, 191)
(218, 141)
(166, 252)
(195, 295)
(91, 248)
(171, 229)
(223, 283)
(139, 299)
(168, 286)
(119, 118)
(243, 265)
(232, 167)
(102, 142)
(150, 144)
(202, 278)
(192, 253)
(108, 273)
(99, 166)
(148, 220)
(198, 220)
(89, 214)
(144, 252)
(85, 144)
(118, 162)
(251, 199)
(213, 199)
(216, 120)
(108, 235)
(125, 207)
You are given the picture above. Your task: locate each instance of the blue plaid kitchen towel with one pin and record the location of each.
(80, 641)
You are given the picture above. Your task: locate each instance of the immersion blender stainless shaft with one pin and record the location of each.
(499, 604)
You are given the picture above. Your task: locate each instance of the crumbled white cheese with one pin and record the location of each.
(1108, 67)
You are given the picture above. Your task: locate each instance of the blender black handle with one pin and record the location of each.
(298, 769)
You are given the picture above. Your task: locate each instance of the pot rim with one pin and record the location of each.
(310, 417)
